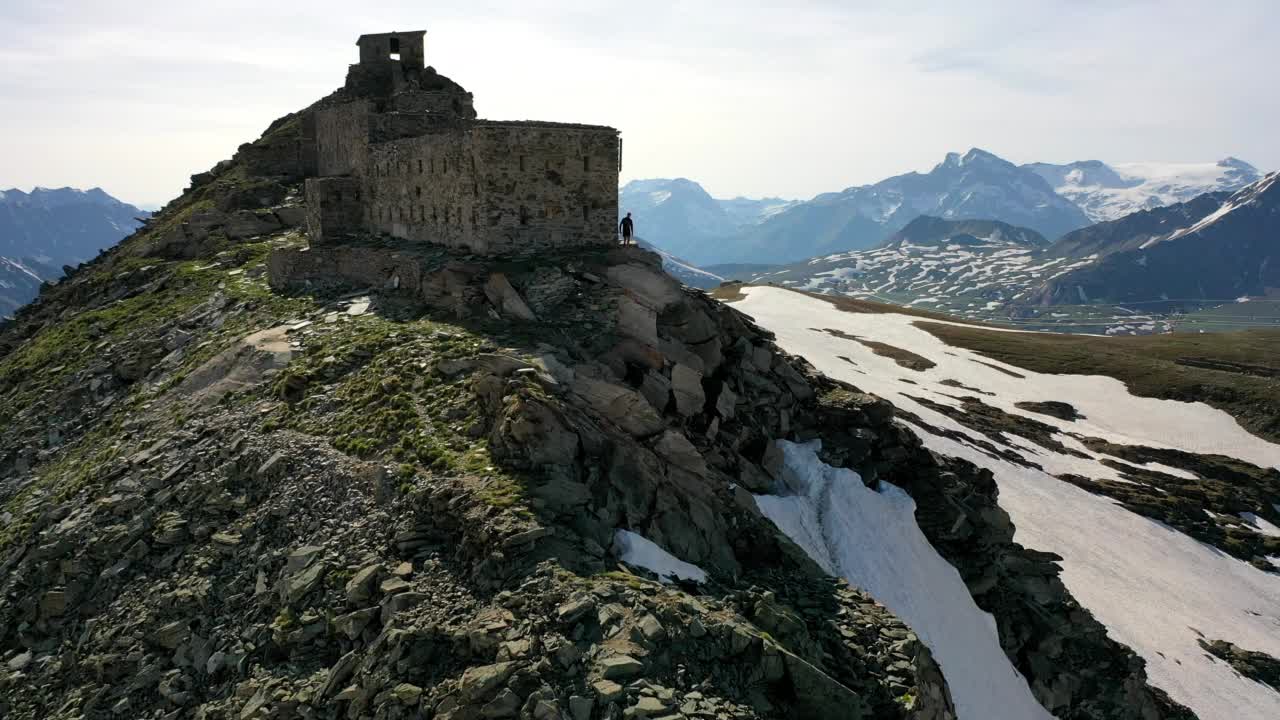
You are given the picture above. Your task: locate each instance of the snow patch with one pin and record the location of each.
(1260, 524)
(636, 549)
(1153, 587)
(870, 537)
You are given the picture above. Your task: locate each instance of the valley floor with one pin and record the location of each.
(1156, 587)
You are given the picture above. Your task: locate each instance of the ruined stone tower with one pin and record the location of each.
(403, 154)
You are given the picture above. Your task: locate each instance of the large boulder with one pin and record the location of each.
(654, 289)
(621, 406)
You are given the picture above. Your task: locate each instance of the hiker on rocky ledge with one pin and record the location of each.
(626, 227)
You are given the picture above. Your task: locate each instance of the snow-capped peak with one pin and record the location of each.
(974, 155)
(1109, 192)
(1252, 195)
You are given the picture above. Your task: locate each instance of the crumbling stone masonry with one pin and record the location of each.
(405, 156)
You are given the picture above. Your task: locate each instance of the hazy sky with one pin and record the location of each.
(747, 98)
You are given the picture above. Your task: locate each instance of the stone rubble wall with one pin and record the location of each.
(423, 189)
(342, 138)
(492, 188)
(547, 186)
(431, 175)
(335, 208)
(439, 101)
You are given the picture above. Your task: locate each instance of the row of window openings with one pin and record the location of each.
(423, 168)
(385, 214)
(430, 166)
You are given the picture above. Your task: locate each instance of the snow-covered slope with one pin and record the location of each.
(870, 537)
(19, 282)
(683, 270)
(969, 266)
(1156, 589)
(1231, 250)
(1108, 192)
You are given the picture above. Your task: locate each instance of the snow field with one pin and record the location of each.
(871, 538)
(1157, 590)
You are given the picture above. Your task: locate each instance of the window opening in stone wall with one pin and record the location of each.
(418, 190)
(522, 163)
(586, 164)
(475, 188)
(419, 166)
(524, 215)
(395, 48)
(433, 166)
(446, 165)
(586, 212)
(435, 217)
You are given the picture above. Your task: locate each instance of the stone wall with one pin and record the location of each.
(335, 209)
(547, 185)
(388, 126)
(409, 46)
(423, 189)
(342, 138)
(497, 187)
(431, 173)
(461, 104)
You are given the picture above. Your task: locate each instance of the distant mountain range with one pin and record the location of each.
(1052, 200)
(44, 229)
(1231, 250)
(1212, 249)
(679, 217)
(1109, 192)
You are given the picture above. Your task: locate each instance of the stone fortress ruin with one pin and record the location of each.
(405, 155)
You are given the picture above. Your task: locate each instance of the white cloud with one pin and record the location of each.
(749, 98)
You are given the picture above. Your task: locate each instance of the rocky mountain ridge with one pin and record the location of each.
(385, 480)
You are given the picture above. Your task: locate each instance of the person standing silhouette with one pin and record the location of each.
(627, 228)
